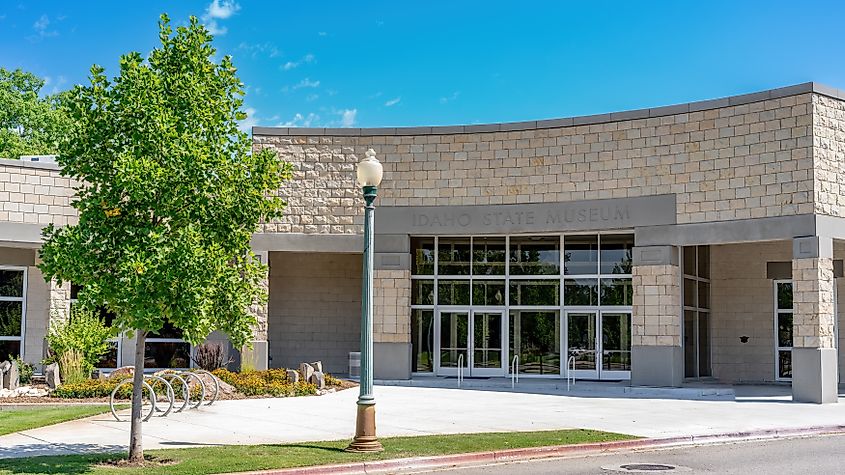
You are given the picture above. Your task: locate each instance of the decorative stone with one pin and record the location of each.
(318, 379)
(5, 393)
(11, 377)
(122, 372)
(293, 376)
(51, 374)
(306, 370)
(318, 366)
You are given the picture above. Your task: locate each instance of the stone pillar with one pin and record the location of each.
(59, 300)
(392, 307)
(814, 362)
(657, 358)
(258, 356)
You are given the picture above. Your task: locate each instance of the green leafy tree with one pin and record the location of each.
(29, 123)
(169, 195)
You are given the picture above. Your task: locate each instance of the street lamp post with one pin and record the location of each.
(369, 174)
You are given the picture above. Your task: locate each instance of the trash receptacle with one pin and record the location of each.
(354, 364)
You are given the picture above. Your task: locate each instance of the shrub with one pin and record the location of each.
(83, 332)
(25, 370)
(209, 356)
(92, 388)
(272, 382)
(72, 366)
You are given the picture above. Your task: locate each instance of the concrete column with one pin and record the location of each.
(258, 355)
(814, 363)
(656, 353)
(392, 307)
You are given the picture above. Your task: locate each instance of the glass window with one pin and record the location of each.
(112, 358)
(580, 255)
(785, 364)
(11, 312)
(703, 294)
(109, 359)
(422, 256)
(453, 256)
(535, 337)
(535, 292)
(615, 252)
(704, 262)
(616, 292)
(11, 283)
(10, 348)
(616, 341)
(539, 255)
(488, 256)
(454, 338)
(488, 292)
(422, 292)
(785, 329)
(167, 331)
(422, 341)
(580, 292)
(167, 354)
(689, 293)
(784, 297)
(783, 323)
(689, 260)
(453, 292)
(11, 316)
(703, 344)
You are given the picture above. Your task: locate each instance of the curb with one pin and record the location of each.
(532, 453)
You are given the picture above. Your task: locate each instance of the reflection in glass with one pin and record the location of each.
(453, 338)
(11, 283)
(167, 331)
(616, 341)
(784, 364)
(535, 337)
(422, 256)
(689, 293)
(11, 314)
(453, 292)
(616, 292)
(690, 370)
(535, 255)
(535, 292)
(703, 344)
(580, 255)
(487, 340)
(703, 294)
(422, 292)
(109, 359)
(784, 295)
(704, 261)
(580, 292)
(10, 348)
(488, 256)
(453, 256)
(689, 260)
(167, 355)
(488, 292)
(616, 254)
(784, 329)
(422, 341)
(581, 339)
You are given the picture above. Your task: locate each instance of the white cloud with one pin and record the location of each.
(251, 119)
(301, 121)
(347, 117)
(393, 102)
(308, 58)
(219, 10)
(312, 97)
(260, 49)
(444, 100)
(306, 83)
(42, 28)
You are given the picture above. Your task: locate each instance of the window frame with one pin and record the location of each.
(776, 312)
(22, 337)
(696, 308)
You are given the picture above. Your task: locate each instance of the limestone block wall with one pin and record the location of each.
(314, 309)
(734, 162)
(392, 306)
(656, 309)
(839, 254)
(829, 155)
(34, 193)
(742, 304)
(813, 290)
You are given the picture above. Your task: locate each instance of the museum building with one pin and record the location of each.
(700, 241)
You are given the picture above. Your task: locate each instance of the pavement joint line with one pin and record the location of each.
(548, 452)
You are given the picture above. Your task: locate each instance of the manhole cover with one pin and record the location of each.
(647, 468)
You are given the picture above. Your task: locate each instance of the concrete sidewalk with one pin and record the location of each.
(422, 411)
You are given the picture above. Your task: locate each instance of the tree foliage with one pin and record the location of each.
(169, 192)
(29, 123)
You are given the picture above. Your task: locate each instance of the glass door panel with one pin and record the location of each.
(454, 341)
(615, 345)
(581, 343)
(487, 344)
(535, 335)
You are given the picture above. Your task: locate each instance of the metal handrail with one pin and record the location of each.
(460, 369)
(570, 368)
(514, 371)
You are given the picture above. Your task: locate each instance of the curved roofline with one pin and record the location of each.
(807, 87)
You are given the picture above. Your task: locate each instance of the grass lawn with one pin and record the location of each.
(16, 419)
(233, 458)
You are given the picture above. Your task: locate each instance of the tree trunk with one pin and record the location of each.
(136, 447)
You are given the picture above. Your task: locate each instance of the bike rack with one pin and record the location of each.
(570, 368)
(166, 378)
(460, 369)
(514, 371)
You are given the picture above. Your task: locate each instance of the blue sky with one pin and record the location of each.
(406, 63)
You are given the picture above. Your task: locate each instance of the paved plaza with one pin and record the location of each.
(430, 410)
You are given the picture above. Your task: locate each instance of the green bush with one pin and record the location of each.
(92, 388)
(25, 370)
(72, 367)
(272, 382)
(84, 332)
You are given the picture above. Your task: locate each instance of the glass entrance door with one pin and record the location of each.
(487, 344)
(454, 342)
(581, 344)
(615, 345)
(474, 339)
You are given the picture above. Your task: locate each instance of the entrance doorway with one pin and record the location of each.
(598, 344)
(471, 339)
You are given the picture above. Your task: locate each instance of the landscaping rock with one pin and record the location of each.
(306, 370)
(11, 377)
(317, 365)
(122, 372)
(318, 379)
(4, 366)
(51, 374)
(293, 376)
(6, 393)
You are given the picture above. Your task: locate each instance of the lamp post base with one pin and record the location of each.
(365, 440)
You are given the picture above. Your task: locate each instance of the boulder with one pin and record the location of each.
(306, 370)
(4, 393)
(122, 373)
(11, 377)
(51, 375)
(4, 366)
(317, 365)
(293, 375)
(318, 379)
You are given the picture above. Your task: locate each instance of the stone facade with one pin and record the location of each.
(828, 153)
(657, 300)
(34, 193)
(813, 290)
(392, 303)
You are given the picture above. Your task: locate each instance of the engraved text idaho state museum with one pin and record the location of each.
(579, 215)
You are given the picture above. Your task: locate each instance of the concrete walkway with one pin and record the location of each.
(425, 410)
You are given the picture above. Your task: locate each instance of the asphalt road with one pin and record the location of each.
(817, 455)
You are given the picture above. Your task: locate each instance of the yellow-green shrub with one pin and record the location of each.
(271, 382)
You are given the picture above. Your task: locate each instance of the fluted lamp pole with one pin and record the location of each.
(369, 177)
